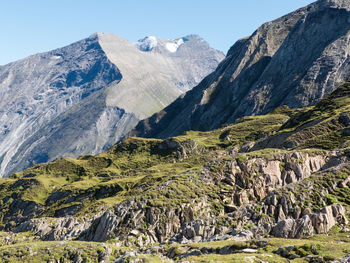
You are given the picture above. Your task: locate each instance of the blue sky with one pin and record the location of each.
(29, 27)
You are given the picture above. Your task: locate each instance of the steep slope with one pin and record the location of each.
(294, 60)
(84, 97)
(36, 90)
(156, 75)
(201, 186)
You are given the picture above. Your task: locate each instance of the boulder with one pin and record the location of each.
(311, 223)
(284, 228)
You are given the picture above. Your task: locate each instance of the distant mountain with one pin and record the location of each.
(294, 60)
(84, 97)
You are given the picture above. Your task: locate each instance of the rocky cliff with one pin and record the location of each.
(84, 97)
(228, 184)
(294, 60)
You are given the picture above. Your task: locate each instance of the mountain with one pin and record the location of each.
(294, 60)
(84, 97)
(223, 195)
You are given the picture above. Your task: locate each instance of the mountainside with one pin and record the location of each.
(224, 195)
(294, 60)
(85, 97)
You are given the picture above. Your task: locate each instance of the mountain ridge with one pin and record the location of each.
(58, 80)
(271, 187)
(199, 189)
(294, 60)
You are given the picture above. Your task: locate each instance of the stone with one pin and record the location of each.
(344, 119)
(244, 235)
(193, 252)
(324, 220)
(135, 233)
(249, 250)
(230, 208)
(284, 228)
(345, 259)
(284, 251)
(304, 228)
(311, 223)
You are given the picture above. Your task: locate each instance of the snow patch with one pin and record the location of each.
(56, 57)
(173, 46)
(147, 44)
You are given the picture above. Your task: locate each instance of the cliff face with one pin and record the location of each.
(294, 60)
(84, 97)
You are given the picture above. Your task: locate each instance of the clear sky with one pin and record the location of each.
(31, 26)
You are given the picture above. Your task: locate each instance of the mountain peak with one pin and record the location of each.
(94, 35)
(294, 60)
(147, 43)
(104, 73)
(152, 43)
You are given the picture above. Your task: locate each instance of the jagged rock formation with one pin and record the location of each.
(285, 174)
(201, 186)
(294, 60)
(286, 211)
(84, 97)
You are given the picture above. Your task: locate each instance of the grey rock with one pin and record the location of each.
(346, 132)
(344, 119)
(294, 60)
(304, 227)
(103, 255)
(285, 251)
(329, 216)
(219, 237)
(310, 224)
(250, 250)
(127, 257)
(284, 228)
(194, 253)
(244, 235)
(85, 97)
(345, 259)
(135, 233)
(64, 228)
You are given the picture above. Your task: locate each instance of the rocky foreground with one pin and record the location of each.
(268, 188)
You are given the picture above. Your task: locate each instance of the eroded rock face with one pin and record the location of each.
(85, 97)
(319, 223)
(270, 173)
(127, 222)
(269, 205)
(294, 60)
(64, 228)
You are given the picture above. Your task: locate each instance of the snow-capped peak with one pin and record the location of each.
(173, 46)
(147, 43)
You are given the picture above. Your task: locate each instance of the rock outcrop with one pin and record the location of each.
(310, 224)
(85, 97)
(271, 204)
(201, 186)
(294, 60)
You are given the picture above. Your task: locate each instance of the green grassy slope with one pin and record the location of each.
(169, 173)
